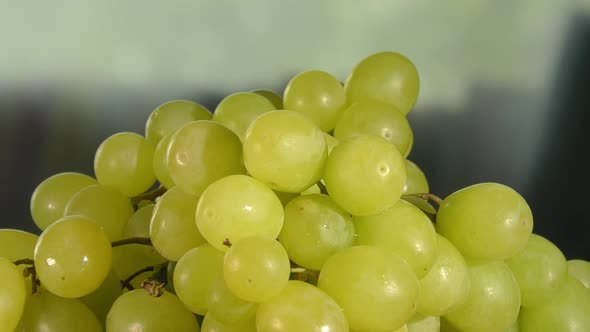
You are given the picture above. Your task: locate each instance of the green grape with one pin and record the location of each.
(227, 308)
(202, 152)
(315, 227)
(419, 323)
(239, 110)
(315, 189)
(124, 161)
(387, 77)
(331, 142)
(318, 95)
(235, 207)
(540, 269)
(301, 307)
(139, 223)
(272, 96)
(577, 268)
(13, 294)
(285, 198)
(172, 229)
(138, 311)
(365, 175)
(161, 162)
(73, 257)
(194, 275)
(46, 312)
(49, 199)
(493, 302)
(285, 150)
(107, 207)
(14, 245)
(447, 284)
(567, 311)
(488, 221)
(404, 230)
(256, 268)
(210, 324)
(376, 290)
(170, 116)
(375, 118)
(101, 300)
(416, 182)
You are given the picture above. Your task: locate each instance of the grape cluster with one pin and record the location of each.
(298, 213)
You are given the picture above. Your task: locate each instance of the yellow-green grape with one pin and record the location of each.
(301, 307)
(73, 257)
(211, 324)
(285, 198)
(404, 230)
(13, 294)
(107, 207)
(49, 199)
(202, 152)
(318, 95)
(315, 227)
(124, 161)
(272, 96)
(578, 269)
(567, 311)
(365, 175)
(447, 284)
(375, 118)
(194, 275)
(486, 221)
(15, 245)
(170, 116)
(256, 268)
(285, 150)
(331, 142)
(235, 207)
(239, 110)
(493, 301)
(315, 189)
(172, 229)
(416, 182)
(376, 290)
(540, 269)
(138, 311)
(101, 300)
(46, 312)
(388, 77)
(226, 307)
(161, 162)
(419, 323)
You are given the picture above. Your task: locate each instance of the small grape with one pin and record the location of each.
(239, 110)
(578, 269)
(272, 96)
(416, 182)
(226, 307)
(170, 116)
(161, 162)
(13, 293)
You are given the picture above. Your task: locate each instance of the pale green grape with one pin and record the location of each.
(416, 182)
(540, 269)
(315, 189)
(315, 227)
(272, 96)
(139, 223)
(49, 199)
(365, 175)
(138, 311)
(485, 221)
(46, 312)
(301, 307)
(285, 198)
(567, 311)
(73, 257)
(447, 284)
(235, 207)
(419, 323)
(101, 300)
(194, 275)
(107, 207)
(388, 77)
(170, 116)
(172, 229)
(318, 95)
(578, 269)
(210, 324)
(331, 142)
(375, 118)
(13, 294)
(161, 162)
(239, 110)
(14, 245)
(493, 302)
(256, 268)
(376, 290)
(124, 161)
(404, 230)
(285, 150)
(226, 307)
(202, 152)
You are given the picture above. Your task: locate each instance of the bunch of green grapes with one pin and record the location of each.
(291, 213)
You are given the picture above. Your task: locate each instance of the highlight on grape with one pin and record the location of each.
(292, 213)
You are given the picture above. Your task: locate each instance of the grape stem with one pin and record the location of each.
(153, 287)
(323, 189)
(127, 282)
(25, 261)
(133, 240)
(429, 197)
(148, 196)
(30, 271)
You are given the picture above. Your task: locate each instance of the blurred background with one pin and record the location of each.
(504, 84)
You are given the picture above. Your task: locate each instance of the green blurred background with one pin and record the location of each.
(503, 97)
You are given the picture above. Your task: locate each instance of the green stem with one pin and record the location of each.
(133, 240)
(322, 187)
(429, 197)
(148, 196)
(127, 282)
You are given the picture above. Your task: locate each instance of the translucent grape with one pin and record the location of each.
(14, 245)
(365, 175)
(13, 294)
(416, 182)
(211, 324)
(170, 116)
(272, 96)
(419, 323)
(49, 199)
(73, 257)
(161, 162)
(226, 307)
(239, 110)
(101, 300)
(578, 269)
